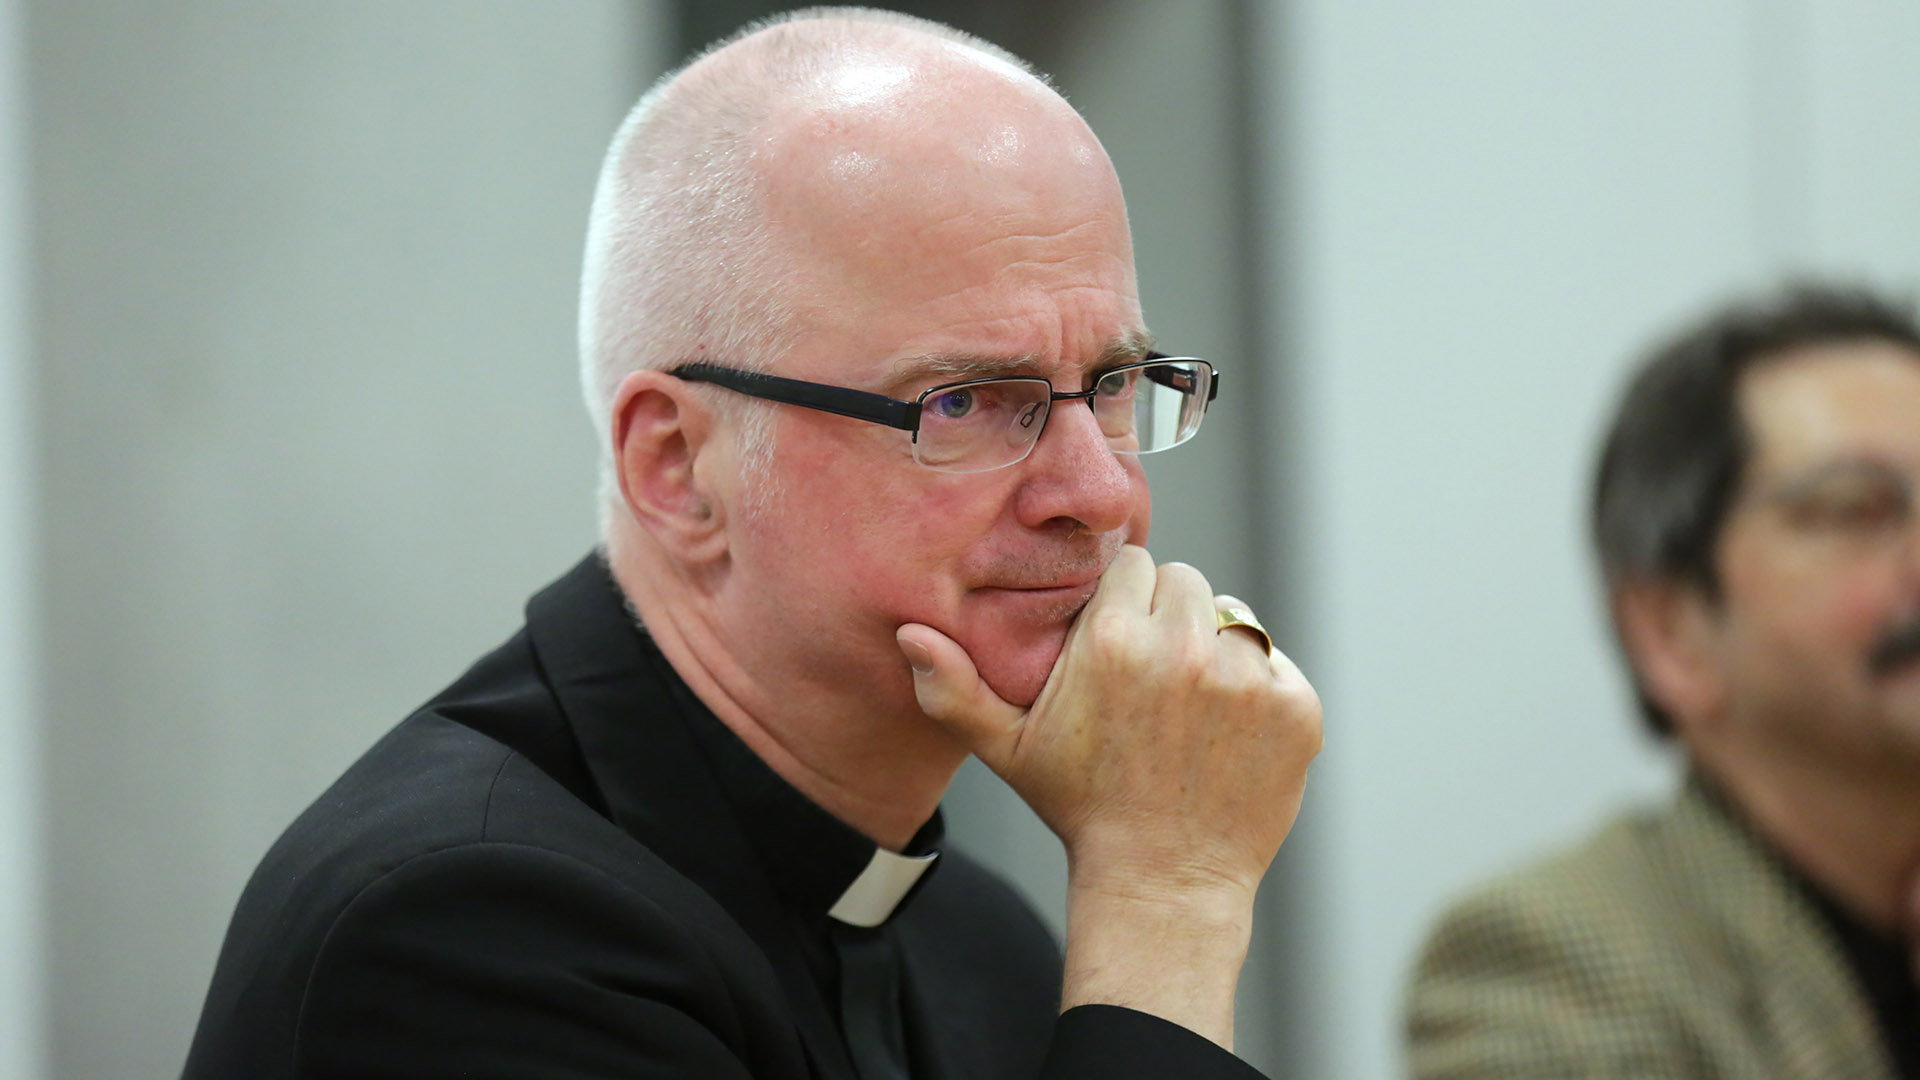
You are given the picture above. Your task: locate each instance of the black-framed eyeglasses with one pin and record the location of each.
(980, 424)
(1863, 499)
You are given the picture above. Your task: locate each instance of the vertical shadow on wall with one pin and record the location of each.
(1285, 963)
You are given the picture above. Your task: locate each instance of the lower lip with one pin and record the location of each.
(1083, 588)
(1053, 590)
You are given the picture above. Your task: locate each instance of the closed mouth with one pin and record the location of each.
(1043, 588)
(1048, 603)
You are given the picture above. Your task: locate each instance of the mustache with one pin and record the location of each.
(1089, 556)
(1898, 647)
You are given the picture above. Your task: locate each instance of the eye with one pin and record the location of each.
(1116, 384)
(953, 404)
(1854, 504)
(1861, 508)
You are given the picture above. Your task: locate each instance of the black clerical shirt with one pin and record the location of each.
(811, 857)
(564, 866)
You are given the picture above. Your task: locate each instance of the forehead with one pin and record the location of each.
(949, 212)
(1819, 404)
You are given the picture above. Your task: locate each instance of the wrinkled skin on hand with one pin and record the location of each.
(1164, 754)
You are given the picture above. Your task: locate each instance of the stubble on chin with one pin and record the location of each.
(1020, 658)
(1063, 612)
(1019, 679)
(1019, 661)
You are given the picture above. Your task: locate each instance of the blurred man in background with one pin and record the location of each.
(1757, 522)
(860, 331)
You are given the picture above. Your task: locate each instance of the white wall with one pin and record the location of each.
(309, 432)
(1490, 208)
(22, 1042)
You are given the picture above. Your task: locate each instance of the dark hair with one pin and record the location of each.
(1674, 455)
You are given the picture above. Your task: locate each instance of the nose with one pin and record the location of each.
(1073, 475)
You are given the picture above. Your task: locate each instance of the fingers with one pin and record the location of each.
(1293, 683)
(1182, 598)
(1128, 584)
(1280, 664)
(1252, 636)
(952, 694)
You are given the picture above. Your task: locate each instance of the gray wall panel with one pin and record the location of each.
(1491, 209)
(309, 428)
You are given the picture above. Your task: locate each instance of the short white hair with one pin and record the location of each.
(679, 252)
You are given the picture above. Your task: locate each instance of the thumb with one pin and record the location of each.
(953, 695)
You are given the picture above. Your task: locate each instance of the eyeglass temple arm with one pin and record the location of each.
(1165, 378)
(857, 404)
(841, 401)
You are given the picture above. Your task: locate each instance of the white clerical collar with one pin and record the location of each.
(870, 900)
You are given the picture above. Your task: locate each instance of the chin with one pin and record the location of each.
(1015, 636)
(1018, 674)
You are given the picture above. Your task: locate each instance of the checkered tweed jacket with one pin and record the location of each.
(1670, 945)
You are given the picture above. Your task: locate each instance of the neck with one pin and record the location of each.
(1856, 837)
(859, 748)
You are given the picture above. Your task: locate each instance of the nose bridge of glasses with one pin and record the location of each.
(1086, 395)
(1101, 424)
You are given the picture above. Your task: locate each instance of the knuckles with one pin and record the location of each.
(1186, 676)
(1113, 640)
(1185, 578)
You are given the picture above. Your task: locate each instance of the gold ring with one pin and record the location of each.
(1243, 619)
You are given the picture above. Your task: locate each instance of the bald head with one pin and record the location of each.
(760, 189)
(904, 149)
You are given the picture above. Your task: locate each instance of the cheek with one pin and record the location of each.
(1861, 606)
(1829, 609)
(947, 539)
(894, 547)
(1142, 518)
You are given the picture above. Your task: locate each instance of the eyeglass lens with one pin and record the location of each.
(971, 427)
(1862, 499)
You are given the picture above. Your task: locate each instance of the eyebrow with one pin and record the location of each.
(1128, 347)
(1851, 465)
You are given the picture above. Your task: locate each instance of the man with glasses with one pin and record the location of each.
(1757, 524)
(861, 337)
(990, 423)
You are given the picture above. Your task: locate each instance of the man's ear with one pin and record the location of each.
(1671, 634)
(660, 428)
